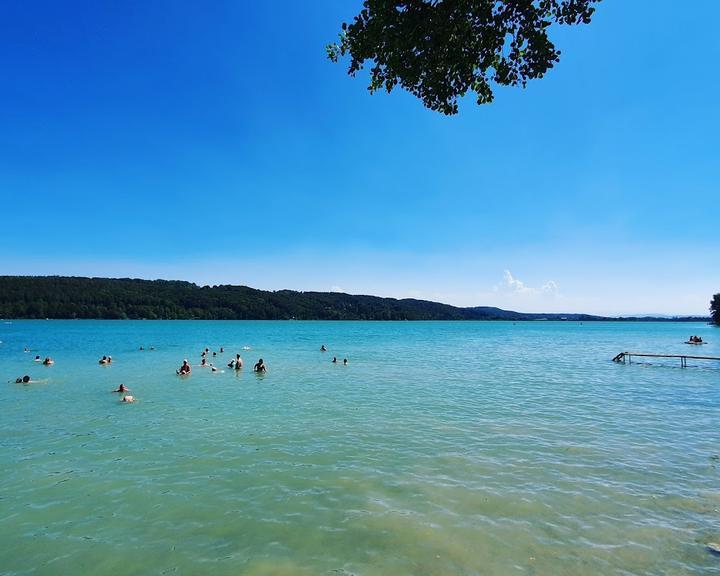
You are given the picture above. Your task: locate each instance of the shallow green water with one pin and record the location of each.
(442, 448)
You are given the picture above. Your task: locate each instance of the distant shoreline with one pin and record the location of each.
(608, 320)
(81, 298)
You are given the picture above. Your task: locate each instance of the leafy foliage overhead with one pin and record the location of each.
(715, 309)
(440, 49)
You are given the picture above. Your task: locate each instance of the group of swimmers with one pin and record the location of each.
(334, 360)
(184, 370)
(236, 363)
(695, 340)
(26, 379)
(47, 362)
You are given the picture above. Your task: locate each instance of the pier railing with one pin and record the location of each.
(627, 356)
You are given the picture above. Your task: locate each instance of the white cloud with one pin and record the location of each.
(336, 289)
(514, 286)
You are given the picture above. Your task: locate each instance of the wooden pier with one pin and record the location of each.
(627, 356)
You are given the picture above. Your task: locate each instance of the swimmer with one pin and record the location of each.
(152, 347)
(103, 360)
(26, 349)
(128, 398)
(334, 360)
(214, 354)
(48, 361)
(260, 366)
(238, 362)
(122, 388)
(222, 349)
(203, 364)
(141, 348)
(109, 359)
(323, 349)
(184, 369)
(37, 359)
(345, 362)
(24, 380)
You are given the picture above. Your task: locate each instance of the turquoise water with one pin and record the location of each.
(442, 448)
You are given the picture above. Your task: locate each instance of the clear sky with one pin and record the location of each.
(214, 142)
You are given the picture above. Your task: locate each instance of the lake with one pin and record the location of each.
(491, 448)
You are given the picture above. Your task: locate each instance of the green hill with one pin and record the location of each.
(125, 298)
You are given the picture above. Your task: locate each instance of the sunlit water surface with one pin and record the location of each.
(441, 448)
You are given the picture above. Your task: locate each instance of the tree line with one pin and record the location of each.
(62, 297)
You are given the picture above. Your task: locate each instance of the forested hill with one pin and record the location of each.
(123, 298)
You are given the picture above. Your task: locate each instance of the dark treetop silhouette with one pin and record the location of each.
(715, 309)
(440, 49)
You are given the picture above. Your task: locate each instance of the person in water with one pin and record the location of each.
(109, 359)
(345, 361)
(103, 360)
(203, 363)
(24, 380)
(37, 359)
(238, 362)
(127, 398)
(122, 388)
(323, 349)
(184, 369)
(260, 366)
(48, 361)
(334, 360)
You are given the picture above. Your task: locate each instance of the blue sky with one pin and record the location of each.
(217, 144)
